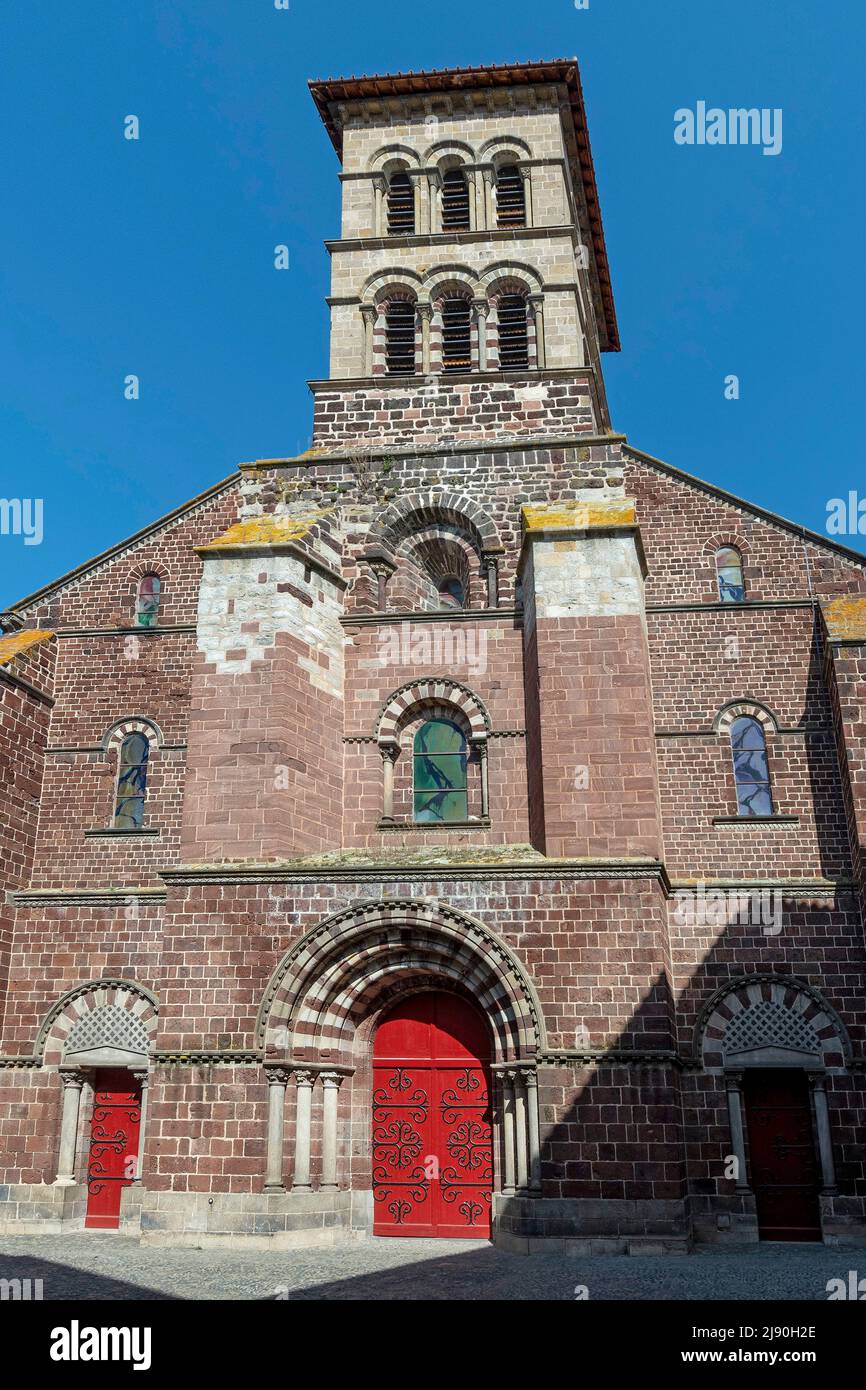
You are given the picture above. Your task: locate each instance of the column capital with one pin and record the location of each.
(277, 1075)
(332, 1079)
(424, 311)
(305, 1076)
(72, 1077)
(369, 312)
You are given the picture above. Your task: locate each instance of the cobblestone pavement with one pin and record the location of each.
(104, 1266)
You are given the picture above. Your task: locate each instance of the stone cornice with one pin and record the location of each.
(439, 615)
(441, 871)
(749, 605)
(489, 234)
(92, 897)
(515, 444)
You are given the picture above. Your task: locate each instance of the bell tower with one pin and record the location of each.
(470, 292)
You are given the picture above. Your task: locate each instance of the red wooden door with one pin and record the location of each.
(782, 1162)
(432, 1135)
(113, 1157)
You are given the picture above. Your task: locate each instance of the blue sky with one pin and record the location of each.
(155, 257)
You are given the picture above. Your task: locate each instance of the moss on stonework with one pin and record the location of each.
(579, 515)
(14, 643)
(269, 529)
(846, 618)
(422, 856)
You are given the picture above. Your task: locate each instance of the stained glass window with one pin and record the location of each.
(440, 772)
(751, 772)
(147, 605)
(131, 782)
(729, 569)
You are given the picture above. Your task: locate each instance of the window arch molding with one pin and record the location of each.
(448, 694)
(388, 158)
(734, 999)
(745, 709)
(76, 1004)
(444, 153)
(505, 149)
(132, 724)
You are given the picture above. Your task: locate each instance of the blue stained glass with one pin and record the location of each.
(751, 771)
(131, 782)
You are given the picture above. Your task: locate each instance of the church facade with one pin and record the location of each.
(454, 830)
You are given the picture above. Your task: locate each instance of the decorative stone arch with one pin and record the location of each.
(339, 971)
(723, 538)
(132, 724)
(430, 508)
(427, 691)
(107, 1022)
(770, 1020)
(505, 149)
(446, 153)
(745, 708)
(448, 280)
(146, 567)
(409, 515)
(392, 279)
(394, 156)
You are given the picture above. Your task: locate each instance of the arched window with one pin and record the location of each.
(751, 772)
(401, 204)
(147, 601)
(451, 592)
(131, 782)
(729, 572)
(513, 336)
(456, 335)
(510, 201)
(455, 201)
(439, 773)
(400, 338)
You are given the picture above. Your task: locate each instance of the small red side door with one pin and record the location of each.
(112, 1161)
(783, 1164)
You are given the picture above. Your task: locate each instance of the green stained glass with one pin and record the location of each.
(440, 792)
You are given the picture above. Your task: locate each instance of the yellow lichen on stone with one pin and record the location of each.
(14, 643)
(846, 618)
(579, 516)
(268, 529)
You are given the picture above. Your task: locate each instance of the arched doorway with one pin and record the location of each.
(432, 1141)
